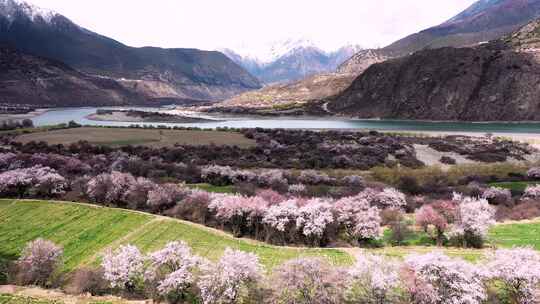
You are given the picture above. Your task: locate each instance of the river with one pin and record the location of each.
(64, 115)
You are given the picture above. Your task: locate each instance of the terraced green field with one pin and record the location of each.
(82, 230)
(87, 231)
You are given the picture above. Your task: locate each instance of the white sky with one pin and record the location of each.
(211, 24)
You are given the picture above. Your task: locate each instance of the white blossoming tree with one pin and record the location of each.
(234, 277)
(124, 268)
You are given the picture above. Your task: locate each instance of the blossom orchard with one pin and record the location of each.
(175, 274)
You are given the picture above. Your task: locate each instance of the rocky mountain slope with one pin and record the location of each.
(485, 20)
(497, 81)
(37, 81)
(291, 60)
(171, 73)
(313, 88)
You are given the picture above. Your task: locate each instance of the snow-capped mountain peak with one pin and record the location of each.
(267, 53)
(12, 8)
(289, 60)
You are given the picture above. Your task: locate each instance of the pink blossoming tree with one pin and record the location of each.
(443, 280)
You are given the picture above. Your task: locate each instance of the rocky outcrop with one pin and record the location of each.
(362, 60)
(498, 81)
(31, 80)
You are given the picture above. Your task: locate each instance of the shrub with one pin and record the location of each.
(528, 209)
(87, 280)
(137, 194)
(390, 198)
(233, 278)
(123, 268)
(273, 179)
(38, 180)
(194, 207)
(447, 160)
(436, 278)
(7, 160)
(354, 181)
(312, 177)
(39, 261)
(374, 280)
(519, 270)
(165, 196)
(110, 188)
(532, 192)
(410, 185)
(534, 173)
(497, 196)
(307, 281)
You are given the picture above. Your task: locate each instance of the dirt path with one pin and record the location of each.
(61, 297)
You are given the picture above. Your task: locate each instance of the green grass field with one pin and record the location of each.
(212, 188)
(137, 136)
(14, 299)
(516, 234)
(87, 231)
(515, 187)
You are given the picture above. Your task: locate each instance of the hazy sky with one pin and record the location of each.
(211, 24)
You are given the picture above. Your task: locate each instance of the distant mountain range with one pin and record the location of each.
(150, 72)
(291, 60)
(483, 21)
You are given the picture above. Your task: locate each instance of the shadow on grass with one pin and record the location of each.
(5, 260)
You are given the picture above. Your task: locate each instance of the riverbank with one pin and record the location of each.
(142, 116)
(532, 139)
(29, 115)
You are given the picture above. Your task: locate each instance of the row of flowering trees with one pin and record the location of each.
(176, 275)
(273, 178)
(285, 220)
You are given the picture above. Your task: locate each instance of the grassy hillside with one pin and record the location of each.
(86, 231)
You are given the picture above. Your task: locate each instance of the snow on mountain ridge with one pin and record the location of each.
(9, 8)
(268, 53)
